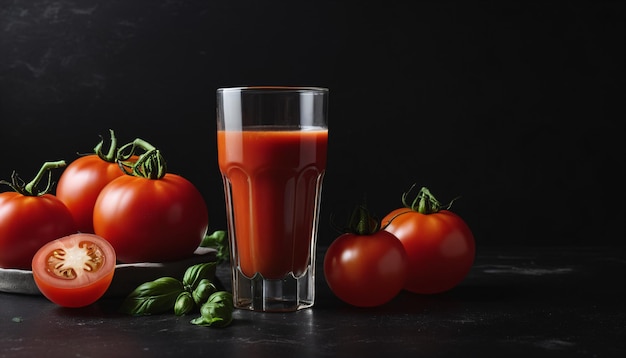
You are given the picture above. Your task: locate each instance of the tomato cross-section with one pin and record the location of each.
(75, 270)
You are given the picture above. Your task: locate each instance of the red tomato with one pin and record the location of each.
(439, 245)
(29, 219)
(365, 270)
(365, 267)
(151, 220)
(82, 180)
(75, 270)
(80, 184)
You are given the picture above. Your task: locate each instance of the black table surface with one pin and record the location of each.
(516, 302)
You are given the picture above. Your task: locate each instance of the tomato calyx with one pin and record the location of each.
(361, 222)
(424, 202)
(150, 164)
(30, 188)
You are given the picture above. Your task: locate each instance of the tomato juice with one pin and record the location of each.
(272, 180)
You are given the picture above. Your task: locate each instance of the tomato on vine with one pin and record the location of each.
(84, 178)
(30, 217)
(148, 214)
(365, 266)
(439, 244)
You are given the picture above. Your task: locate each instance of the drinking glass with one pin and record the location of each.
(272, 144)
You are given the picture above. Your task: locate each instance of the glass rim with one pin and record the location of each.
(272, 89)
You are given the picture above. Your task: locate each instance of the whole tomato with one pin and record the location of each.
(439, 244)
(151, 215)
(366, 267)
(82, 180)
(30, 218)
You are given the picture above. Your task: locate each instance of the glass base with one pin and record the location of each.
(273, 295)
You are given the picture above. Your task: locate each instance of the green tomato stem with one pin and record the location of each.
(111, 155)
(30, 188)
(137, 144)
(425, 202)
(150, 164)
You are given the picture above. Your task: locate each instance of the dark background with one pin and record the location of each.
(517, 107)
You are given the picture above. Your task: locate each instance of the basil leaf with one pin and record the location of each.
(196, 273)
(204, 290)
(184, 304)
(152, 297)
(219, 241)
(217, 311)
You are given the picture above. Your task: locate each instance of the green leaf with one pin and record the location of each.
(219, 241)
(196, 273)
(217, 311)
(184, 304)
(210, 322)
(204, 290)
(153, 297)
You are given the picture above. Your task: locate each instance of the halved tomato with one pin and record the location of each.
(75, 270)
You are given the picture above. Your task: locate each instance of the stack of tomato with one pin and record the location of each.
(422, 248)
(120, 206)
